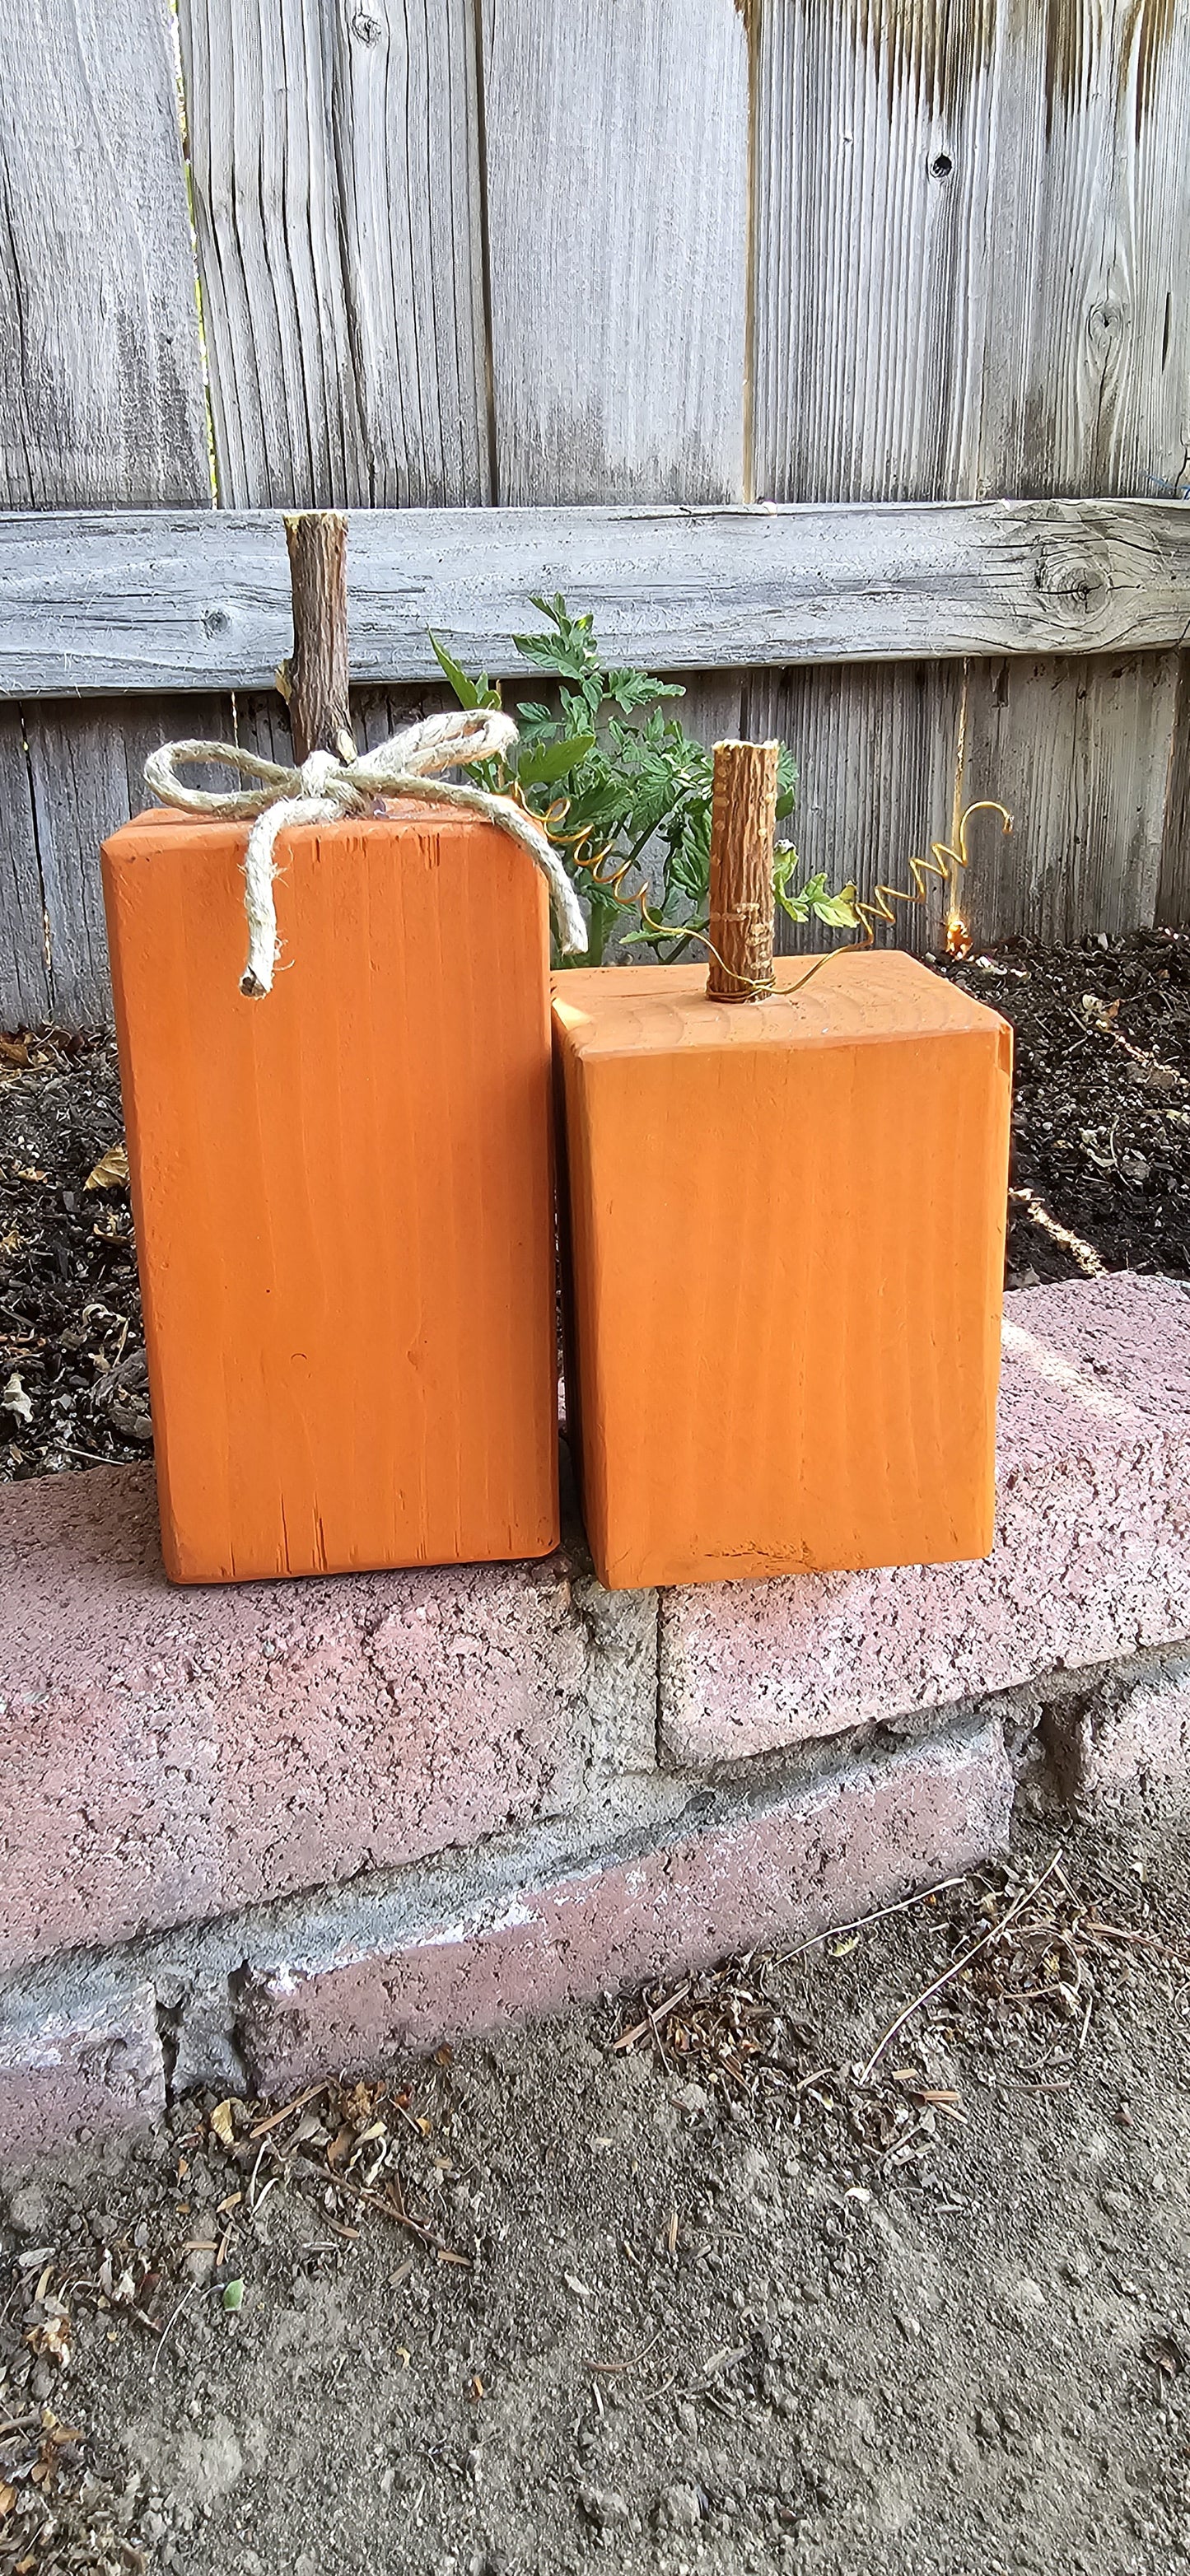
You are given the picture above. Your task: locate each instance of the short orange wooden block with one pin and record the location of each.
(343, 1194)
(786, 1242)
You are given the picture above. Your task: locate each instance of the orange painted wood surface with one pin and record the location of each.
(343, 1194)
(785, 1252)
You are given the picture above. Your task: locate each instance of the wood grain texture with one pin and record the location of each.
(335, 162)
(617, 210)
(970, 279)
(1080, 754)
(128, 599)
(343, 1195)
(101, 402)
(24, 965)
(743, 822)
(871, 262)
(876, 752)
(1084, 365)
(1077, 751)
(101, 393)
(853, 1133)
(86, 778)
(262, 722)
(315, 676)
(970, 237)
(1173, 892)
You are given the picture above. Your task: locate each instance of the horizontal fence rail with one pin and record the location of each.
(118, 602)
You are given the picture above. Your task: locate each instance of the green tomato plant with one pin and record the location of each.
(610, 774)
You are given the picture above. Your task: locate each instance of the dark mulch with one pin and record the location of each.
(1101, 1123)
(1100, 1179)
(72, 1368)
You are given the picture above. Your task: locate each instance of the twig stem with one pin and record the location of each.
(743, 821)
(314, 681)
(956, 1968)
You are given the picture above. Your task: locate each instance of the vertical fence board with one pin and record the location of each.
(1079, 751)
(969, 281)
(262, 724)
(617, 179)
(875, 747)
(875, 154)
(335, 162)
(1173, 893)
(85, 765)
(101, 404)
(1083, 384)
(970, 237)
(101, 394)
(24, 967)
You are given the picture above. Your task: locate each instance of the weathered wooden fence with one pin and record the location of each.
(468, 258)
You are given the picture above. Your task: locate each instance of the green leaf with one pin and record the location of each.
(837, 910)
(631, 689)
(548, 761)
(465, 690)
(638, 787)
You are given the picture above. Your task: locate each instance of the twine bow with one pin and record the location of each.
(326, 788)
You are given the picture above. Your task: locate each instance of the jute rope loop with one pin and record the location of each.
(326, 788)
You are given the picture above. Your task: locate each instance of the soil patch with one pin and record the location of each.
(1101, 1110)
(728, 2297)
(73, 1385)
(1100, 1179)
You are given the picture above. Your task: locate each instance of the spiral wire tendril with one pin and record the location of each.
(946, 864)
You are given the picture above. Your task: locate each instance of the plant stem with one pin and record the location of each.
(314, 681)
(743, 819)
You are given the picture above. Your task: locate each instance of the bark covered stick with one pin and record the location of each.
(743, 822)
(314, 681)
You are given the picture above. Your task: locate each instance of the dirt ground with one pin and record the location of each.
(726, 2298)
(1100, 1181)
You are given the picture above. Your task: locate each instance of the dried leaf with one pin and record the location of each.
(51, 2341)
(15, 1400)
(110, 1172)
(221, 2122)
(8, 2497)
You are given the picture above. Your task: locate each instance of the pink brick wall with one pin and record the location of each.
(174, 1758)
(798, 1860)
(169, 1755)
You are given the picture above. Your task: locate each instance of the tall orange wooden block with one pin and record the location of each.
(343, 1194)
(786, 1244)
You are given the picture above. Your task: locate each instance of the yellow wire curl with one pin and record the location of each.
(945, 863)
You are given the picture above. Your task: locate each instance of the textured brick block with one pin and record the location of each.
(1092, 1554)
(1124, 1741)
(78, 2062)
(728, 1873)
(168, 1756)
